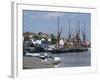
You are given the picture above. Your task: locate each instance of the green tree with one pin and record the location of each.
(53, 39)
(36, 37)
(39, 35)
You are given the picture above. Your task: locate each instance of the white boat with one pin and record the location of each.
(33, 54)
(53, 61)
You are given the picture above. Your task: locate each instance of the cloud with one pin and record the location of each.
(49, 15)
(53, 15)
(35, 15)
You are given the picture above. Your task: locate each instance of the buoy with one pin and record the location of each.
(57, 59)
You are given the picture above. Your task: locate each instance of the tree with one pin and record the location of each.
(36, 37)
(39, 35)
(53, 39)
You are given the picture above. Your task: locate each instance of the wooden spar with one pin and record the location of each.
(83, 32)
(78, 30)
(60, 31)
(58, 25)
(59, 34)
(69, 33)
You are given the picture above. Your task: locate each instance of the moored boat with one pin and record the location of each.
(67, 50)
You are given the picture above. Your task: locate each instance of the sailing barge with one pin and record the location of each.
(72, 44)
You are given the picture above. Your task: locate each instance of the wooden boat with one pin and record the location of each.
(56, 51)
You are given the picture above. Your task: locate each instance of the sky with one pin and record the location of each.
(47, 22)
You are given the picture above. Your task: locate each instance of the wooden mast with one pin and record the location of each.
(58, 34)
(83, 33)
(69, 33)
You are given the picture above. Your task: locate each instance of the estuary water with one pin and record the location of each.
(75, 59)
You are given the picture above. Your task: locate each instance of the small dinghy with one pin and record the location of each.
(52, 61)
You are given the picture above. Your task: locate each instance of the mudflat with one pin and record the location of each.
(34, 62)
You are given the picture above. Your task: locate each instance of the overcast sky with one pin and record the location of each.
(47, 22)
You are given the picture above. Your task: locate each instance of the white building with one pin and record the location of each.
(37, 42)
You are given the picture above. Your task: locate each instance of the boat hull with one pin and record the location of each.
(66, 51)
